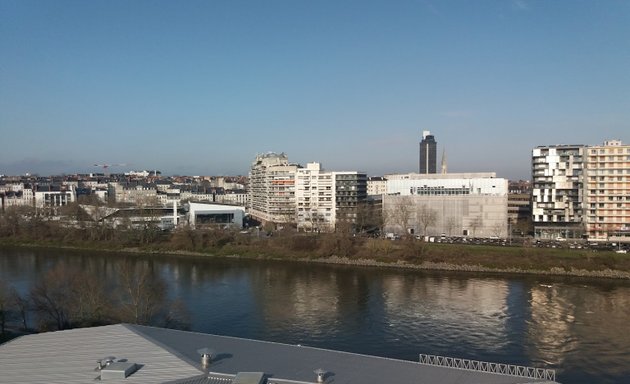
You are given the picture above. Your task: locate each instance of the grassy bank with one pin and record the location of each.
(338, 249)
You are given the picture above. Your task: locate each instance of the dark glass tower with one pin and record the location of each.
(428, 153)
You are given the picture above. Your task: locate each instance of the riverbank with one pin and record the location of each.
(416, 255)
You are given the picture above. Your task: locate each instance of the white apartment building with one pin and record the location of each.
(272, 188)
(456, 204)
(607, 192)
(315, 199)
(376, 186)
(54, 196)
(558, 191)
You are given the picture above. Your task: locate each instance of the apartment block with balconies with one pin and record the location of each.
(272, 188)
(558, 191)
(607, 192)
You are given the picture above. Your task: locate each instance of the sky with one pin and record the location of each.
(202, 87)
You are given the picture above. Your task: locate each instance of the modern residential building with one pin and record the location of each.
(456, 204)
(520, 207)
(607, 192)
(272, 188)
(315, 199)
(558, 191)
(350, 190)
(325, 198)
(582, 191)
(428, 153)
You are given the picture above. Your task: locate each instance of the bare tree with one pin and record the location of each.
(67, 297)
(450, 225)
(427, 217)
(497, 230)
(21, 306)
(4, 305)
(143, 293)
(475, 224)
(399, 212)
(369, 216)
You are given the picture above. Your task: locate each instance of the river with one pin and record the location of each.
(579, 327)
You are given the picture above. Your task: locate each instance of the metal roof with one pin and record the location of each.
(71, 356)
(167, 355)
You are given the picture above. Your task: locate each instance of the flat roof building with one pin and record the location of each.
(135, 354)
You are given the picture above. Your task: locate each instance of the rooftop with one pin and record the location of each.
(171, 356)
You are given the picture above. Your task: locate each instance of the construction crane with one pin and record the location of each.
(105, 166)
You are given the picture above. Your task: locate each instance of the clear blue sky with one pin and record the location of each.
(201, 87)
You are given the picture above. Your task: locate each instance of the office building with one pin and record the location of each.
(455, 204)
(428, 153)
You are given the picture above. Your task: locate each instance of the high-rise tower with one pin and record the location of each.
(428, 153)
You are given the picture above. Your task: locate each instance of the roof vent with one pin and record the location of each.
(320, 375)
(206, 356)
(104, 362)
(118, 370)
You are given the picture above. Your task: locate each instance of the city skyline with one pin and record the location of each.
(200, 87)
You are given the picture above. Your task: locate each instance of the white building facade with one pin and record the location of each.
(272, 188)
(457, 204)
(315, 199)
(607, 192)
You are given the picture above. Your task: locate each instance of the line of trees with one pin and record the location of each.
(68, 297)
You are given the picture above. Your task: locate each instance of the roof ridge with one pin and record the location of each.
(136, 328)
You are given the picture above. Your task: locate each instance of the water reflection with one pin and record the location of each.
(470, 311)
(577, 326)
(581, 326)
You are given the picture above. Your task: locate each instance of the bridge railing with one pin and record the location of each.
(483, 366)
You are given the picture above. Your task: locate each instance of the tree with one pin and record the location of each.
(21, 305)
(427, 217)
(66, 297)
(450, 225)
(475, 223)
(143, 293)
(4, 305)
(369, 216)
(497, 230)
(399, 212)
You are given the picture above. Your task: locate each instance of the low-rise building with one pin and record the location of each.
(456, 204)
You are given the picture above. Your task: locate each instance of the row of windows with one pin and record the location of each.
(438, 191)
(603, 151)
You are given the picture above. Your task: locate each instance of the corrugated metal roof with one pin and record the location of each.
(71, 356)
(167, 355)
(297, 363)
